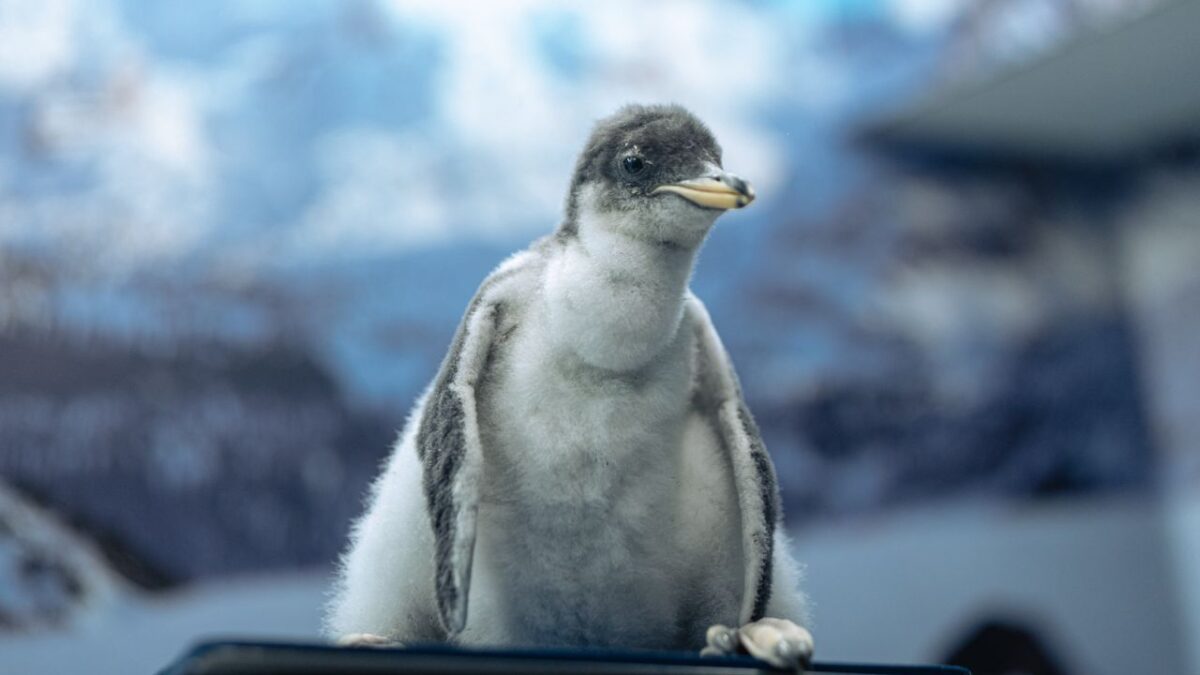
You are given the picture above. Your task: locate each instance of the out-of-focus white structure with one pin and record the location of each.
(1105, 130)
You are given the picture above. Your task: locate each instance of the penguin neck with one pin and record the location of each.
(614, 299)
(644, 265)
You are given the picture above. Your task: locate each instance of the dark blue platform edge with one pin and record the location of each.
(201, 658)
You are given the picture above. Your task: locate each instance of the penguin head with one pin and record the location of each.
(652, 173)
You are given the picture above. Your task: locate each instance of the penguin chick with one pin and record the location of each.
(583, 469)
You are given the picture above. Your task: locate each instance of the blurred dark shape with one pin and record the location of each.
(1002, 647)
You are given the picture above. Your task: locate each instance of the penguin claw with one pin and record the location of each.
(722, 641)
(366, 640)
(781, 643)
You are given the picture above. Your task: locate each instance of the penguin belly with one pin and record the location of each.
(583, 538)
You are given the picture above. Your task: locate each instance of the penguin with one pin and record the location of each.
(583, 470)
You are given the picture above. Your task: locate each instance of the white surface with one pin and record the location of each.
(1183, 521)
(1094, 576)
(144, 636)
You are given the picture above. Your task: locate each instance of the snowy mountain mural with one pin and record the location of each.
(235, 238)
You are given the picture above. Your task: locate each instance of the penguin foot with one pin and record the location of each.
(779, 642)
(366, 640)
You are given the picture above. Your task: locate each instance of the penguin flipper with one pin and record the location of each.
(448, 444)
(718, 395)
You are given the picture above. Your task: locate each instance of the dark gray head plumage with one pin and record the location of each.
(636, 150)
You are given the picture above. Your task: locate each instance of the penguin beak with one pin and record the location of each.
(715, 190)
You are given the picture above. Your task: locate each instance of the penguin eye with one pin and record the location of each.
(633, 164)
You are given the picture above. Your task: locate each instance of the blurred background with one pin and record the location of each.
(236, 237)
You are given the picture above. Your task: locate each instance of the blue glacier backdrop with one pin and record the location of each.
(236, 236)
